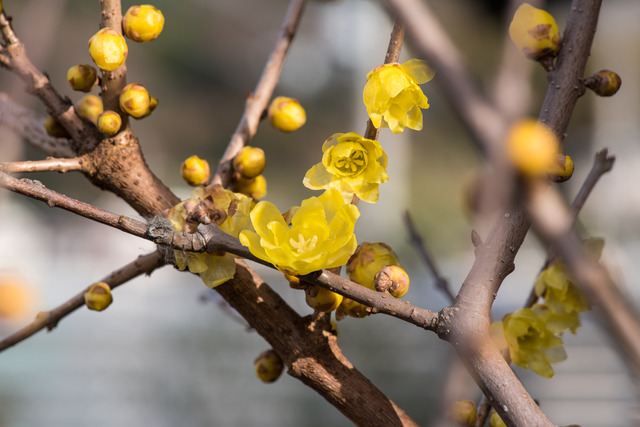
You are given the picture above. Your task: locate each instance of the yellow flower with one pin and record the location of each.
(351, 164)
(319, 236)
(531, 343)
(392, 95)
(534, 32)
(231, 212)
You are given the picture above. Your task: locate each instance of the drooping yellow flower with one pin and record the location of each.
(393, 96)
(230, 211)
(352, 165)
(320, 234)
(534, 32)
(531, 342)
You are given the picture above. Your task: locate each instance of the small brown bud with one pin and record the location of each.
(393, 279)
(268, 366)
(604, 83)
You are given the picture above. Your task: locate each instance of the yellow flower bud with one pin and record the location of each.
(249, 162)
(562, 169)
(463, 412)
(109, 122)
(82, 77)
(367, 260)
(321, 299)
(268, 366)
(255, 187)
(495, 420)
(604, 83)
(16, 299)
(98, 296)
(393, 279)
(108, 49)
(532, 147)
(54, 128)
(142, 23)
(286, 114)
(352, 308)
(535, 32)
(89, 108)
(195, 171)
(135, 100)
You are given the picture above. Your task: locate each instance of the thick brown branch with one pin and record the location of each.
(145, 264)
(258, 100)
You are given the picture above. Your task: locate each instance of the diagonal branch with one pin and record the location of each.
(145, 264)
(258, 100)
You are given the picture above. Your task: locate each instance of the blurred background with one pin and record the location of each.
(165, 353)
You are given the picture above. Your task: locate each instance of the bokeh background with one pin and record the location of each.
(165, 353)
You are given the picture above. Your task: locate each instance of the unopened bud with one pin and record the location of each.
(535, 32)
(142, 23)
(135, 100)
(367, 260)
(604, 83)
(268, 366)
(109, 122)
(562, 169)
(286, 114)
(249, 162)
(532, 147)
(82, 77)
(98, 296)
(255, 187)
(54, 128)
(294, 282)
(108, 49)
(393, 279)
(195, 171)
(495, 420)
(352, 308)
(321, 299)
(463, 412)
(89, 108)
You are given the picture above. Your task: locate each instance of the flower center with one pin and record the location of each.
(353, 164)
(303, 245)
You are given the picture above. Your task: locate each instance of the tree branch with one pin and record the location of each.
(49, 165)
(144, 264)
(258, 100)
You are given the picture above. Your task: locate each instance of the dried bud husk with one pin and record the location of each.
(82, 77)
(98, 296)
(604, 83)
(321, 299)
(195, 171)
(89, 108)
(109, 122)
(392, 278)
(250, 162)
(463, 412)
(286, 114)
(268, 366)
(562, 169)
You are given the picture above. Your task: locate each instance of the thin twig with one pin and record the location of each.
(85, 135)
(144, 264)
(113, 82)
(49, 165)
(211, 239)
(418, 243)
(258, 100)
